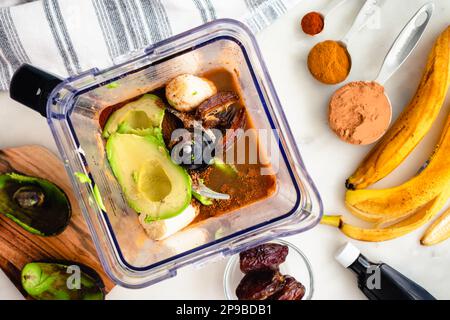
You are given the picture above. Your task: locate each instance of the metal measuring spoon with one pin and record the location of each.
(401, 49)
(337, 69)
(369, 8)
(405, 43)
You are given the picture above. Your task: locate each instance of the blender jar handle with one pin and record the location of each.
(32, 86)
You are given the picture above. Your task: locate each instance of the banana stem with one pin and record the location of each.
(334, 221)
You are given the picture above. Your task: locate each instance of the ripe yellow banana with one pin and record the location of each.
(398, 202)
(422, 216)
(438, 231)
(414, 122)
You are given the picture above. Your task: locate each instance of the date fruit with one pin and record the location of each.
(292, 290)
(260, 285)
(266, 256)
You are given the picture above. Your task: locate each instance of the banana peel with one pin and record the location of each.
(418, 219)
(414, 122)
(438, 232)
(389, 220)
(399, 202)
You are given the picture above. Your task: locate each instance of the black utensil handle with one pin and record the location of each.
(32, 86)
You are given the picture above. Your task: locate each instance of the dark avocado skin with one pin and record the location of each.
(49, 219)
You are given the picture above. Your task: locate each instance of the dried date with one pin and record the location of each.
(267, 256)
(260, 285)
(292, 290)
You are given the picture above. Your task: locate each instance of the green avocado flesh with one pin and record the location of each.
(55, 281)
(47, 217)
(142, 117)
(150, 181)
(82, 178)
(202, 199)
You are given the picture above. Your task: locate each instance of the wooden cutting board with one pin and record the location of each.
(19, 247)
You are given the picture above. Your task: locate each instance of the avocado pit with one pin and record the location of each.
(29, 197)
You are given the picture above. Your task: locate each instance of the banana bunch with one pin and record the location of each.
(397, 211)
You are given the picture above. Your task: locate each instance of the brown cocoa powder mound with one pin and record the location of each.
(359, 112)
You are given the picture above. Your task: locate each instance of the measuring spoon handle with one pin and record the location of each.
(334, 4)
(405, 43)
(369, 8)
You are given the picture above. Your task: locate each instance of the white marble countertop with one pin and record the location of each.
(328, 159)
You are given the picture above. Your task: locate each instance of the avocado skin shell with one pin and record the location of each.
(49, 219)
(47, 280)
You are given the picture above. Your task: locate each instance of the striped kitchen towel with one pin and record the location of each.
(68, 36)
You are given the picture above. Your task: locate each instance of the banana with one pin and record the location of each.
(399, 202)
(414, 122)
(438, 231)
(422, 216)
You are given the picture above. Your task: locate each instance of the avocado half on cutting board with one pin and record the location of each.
(61, 281)
(37, 205)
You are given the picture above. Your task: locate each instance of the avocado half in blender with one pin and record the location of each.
(142, 117)
(61, 281)
(151, 182)
(35, 204)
